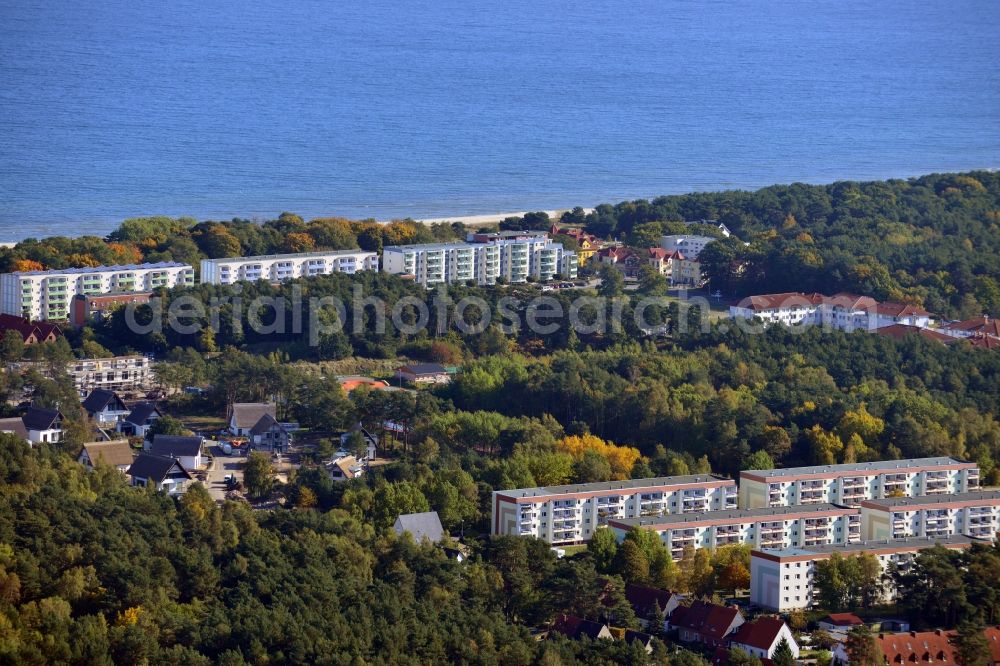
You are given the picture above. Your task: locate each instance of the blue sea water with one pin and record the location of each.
(425, 108)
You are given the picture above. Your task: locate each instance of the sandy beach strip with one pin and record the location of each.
(495, 218)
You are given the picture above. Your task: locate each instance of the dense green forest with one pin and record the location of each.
(95, 572)
(933, 240)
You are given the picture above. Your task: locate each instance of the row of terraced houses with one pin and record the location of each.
(894, 508)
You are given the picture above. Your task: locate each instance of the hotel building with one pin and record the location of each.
(570, 514)
(974, 514)
(47, 294)
(782, 580)
(845, 312)
(280, 267)
(853, 483)
(778, 528)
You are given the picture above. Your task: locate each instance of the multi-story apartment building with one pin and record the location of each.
(779, 527)
(443, 263)
(850, 484)
(974, 514)
(782, 580)
(120, 373)
(47, 294)
(570, 514)
(280, 267)
(689, 245)
(845, 312)
(514, 259)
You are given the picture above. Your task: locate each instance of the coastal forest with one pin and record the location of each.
(93, 571)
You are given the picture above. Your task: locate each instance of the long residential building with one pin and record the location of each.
(47, 295)
(779, 527)
(280, 267)
(846, 312)
(782, 580)
(515, 259)
(850, 484)
(570, 514)
(974, 514)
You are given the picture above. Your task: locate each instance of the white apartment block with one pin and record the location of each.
(570, 514)
(782, 580)
(778, 528)
(688, 245)
(47, 294)
(845, 312)
(281, 267)
(120, 373)
(853, 483)
(514, 260)
(974, 514)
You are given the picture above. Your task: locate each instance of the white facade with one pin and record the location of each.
(845, 312)
(850, 484)
(571, 514)
(974, 514)
(688, 245)
(782, 527)
(766, 653)
(782, 580)
(47, 294)
(280, 267)
(514, 260)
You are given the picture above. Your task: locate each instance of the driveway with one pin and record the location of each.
(222, 466)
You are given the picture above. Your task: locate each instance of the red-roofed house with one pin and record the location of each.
(626, 259)
(31, 332)
(760, 638)
(645, 601)
(674, 265)
(900, 331)
(840, 622)
(984, 325)
(846, 312)
(705, 623)
(576, 627)
(923, 647)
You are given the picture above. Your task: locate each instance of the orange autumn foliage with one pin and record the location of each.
(25, 265)
(621, 458)
(126, 254)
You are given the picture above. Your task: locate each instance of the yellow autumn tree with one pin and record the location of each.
(621, 458)
(25, 265)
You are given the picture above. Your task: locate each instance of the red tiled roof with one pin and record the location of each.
(661, 253)
(993, 638)
(900, 331)
(761, 633)
(619, 253)
(643, 598)
(901, 310)
(984, 341)
(843, 619)
(41, 329)
(918, 647)
(984, 324)
(709, 620)
(776, 301)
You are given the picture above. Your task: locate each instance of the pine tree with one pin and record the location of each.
(783, 654)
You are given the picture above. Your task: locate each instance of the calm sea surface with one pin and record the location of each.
(382, 108)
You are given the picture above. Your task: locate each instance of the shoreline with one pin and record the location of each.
(491, 218)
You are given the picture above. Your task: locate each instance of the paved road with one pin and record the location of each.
(222, 466)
